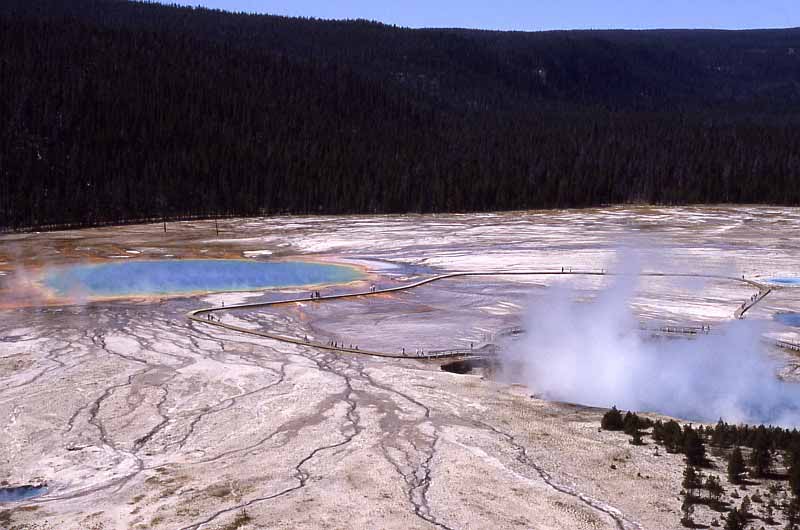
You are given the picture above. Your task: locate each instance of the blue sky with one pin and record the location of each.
(536, 14)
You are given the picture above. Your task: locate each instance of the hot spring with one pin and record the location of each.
(136, 278)
(788, 319)
(791, 282)
(21, 493)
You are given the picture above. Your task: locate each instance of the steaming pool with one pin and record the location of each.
(190, 276)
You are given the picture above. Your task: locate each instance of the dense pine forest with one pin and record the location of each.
(114, 111)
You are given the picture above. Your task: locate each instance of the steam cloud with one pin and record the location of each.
(594, 354)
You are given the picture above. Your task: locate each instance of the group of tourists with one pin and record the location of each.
(569, 270)
(334, 344)
(315, 295)
(753, 299)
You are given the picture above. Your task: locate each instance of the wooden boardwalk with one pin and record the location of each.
(205, 315)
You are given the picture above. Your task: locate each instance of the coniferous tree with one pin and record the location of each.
(792, 513)
(760, 457)
(736, 466)
(673, 436)
(692, 481)
(687, 512)
(636, 438)
(745, 507)
(630, 423)
(769, 512)
(715, 490)
(718, 434)
(612, 420)
(694, 448)
(734, 521)
(794, 472)
(658, 432)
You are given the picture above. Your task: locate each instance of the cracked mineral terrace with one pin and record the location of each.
(135, 417)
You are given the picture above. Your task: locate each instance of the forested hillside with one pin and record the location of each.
(112, 111)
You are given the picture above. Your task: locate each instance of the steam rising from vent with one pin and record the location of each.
(594, 354)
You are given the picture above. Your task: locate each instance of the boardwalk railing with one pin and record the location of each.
(678, 330)
(786, 345)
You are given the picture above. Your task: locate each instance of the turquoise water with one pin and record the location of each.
(785, 281)
(21, 493)
(187, 276)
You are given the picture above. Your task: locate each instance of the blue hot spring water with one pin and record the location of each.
(788, 319)
(188, 276)
(21, 493)
(785, 281)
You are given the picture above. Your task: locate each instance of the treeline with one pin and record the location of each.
(114, 111)
(772, 454)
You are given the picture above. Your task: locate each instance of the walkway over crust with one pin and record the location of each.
(197, 314)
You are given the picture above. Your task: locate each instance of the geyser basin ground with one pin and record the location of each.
(140, 419)
(190, 276)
